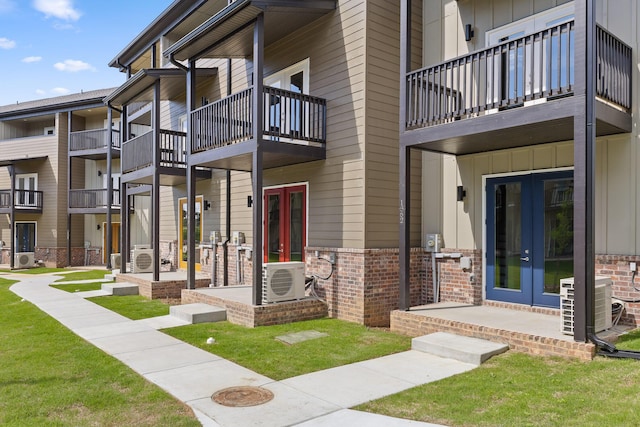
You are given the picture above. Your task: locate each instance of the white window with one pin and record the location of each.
(26, 185)
(286, 114)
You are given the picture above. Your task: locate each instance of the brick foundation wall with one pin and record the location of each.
(617, 267)
(168, 255)
(246, 265)
(162, 289)
(456, 284)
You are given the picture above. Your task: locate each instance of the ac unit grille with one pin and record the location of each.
(282, 281)
(115, 261)
(24, 259)
(143, 261)
(602, 304)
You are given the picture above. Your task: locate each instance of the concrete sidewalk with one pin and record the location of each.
(192, 375)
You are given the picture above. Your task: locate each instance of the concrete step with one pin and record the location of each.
(198, 313)
(463, 349)
(120, 288)
(110, 277)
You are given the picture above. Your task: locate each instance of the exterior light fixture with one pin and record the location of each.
(461, 193)
(468, 32)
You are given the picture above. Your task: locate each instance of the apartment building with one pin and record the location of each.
(524, 113)
(35, 139)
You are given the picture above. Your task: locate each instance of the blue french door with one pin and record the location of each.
(529, 237)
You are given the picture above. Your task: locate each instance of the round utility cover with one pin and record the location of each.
(242, 396)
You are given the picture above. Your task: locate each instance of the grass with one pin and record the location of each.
(79, 287)
(258, 350)
(134, 307)
(519, 390)
(37, 270)
(629, 341)
(83, 275)
(51, 377)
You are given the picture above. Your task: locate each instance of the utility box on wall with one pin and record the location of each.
(433, 242)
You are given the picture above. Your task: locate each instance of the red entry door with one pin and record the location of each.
(285, 228)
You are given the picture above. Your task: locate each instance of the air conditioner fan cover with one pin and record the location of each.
(143, 261)
(281, 282)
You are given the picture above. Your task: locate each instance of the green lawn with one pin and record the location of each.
(79, 287)
(134, 307)
(37, 270)
(258, 350)
(83, 275)
(519, 390)
(51, 377)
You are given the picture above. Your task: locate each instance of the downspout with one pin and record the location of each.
(177, 64)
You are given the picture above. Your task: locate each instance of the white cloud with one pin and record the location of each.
(60, 90)
(73, 66)
(40, 92)
(5, 43)
(30, 59)
(62, 9)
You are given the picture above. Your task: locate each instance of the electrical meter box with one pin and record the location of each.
(237, 238)
(433, 242)
(214, 237)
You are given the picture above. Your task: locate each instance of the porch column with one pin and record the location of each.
(155, 190)
(69, 175)
(258, 106)
(584, 170)
(225, 247)
(124, 199)
(109, 187)
(191, 183)
(12, 201)
(405, 160)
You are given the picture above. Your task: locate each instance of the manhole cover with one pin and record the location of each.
(242, 396)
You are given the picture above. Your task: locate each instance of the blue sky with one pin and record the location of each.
(55, 47)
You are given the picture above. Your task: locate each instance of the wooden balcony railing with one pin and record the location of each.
(93, 139)
(23, 199)
(535, 66)
(92, 199)
(288, 117)
(138, 152)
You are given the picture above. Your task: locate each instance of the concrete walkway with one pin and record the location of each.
(192, 375)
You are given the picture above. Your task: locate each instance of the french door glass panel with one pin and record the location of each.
(273, 227)
(183, 206)
(285, 224)
(25, 237)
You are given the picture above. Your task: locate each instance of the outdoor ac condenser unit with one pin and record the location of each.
(115, 261)
(282, 281)
(23, 260)
(142, 261)
(602, 304)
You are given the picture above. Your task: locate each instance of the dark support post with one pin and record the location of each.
(405, 161)
(12, 200)
(109, 230)
(124, 199)
(154, 55)
(69, 175)
(155, 190)
(191, 183)
(258, 106)
(225, 248)
(584, 171)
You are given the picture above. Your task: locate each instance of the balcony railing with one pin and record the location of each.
(93, 139)
(288, 117)
(23, 200)
(536, 66)
(137, 153)
(92, 199)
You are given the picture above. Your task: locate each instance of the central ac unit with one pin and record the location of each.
(142, 261)
(115, 261)
(282, 281)
(602, 304)
(23, 260)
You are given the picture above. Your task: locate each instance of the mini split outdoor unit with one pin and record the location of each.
(142, 261)
(602, 304)
(23, 260)
(116, 261)
(282, 281)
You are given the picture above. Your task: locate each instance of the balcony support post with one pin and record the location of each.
(584, 170)
(225, 248)
(69, 175)
(109, 200)
(155, 190)
(405, 160)
(124, 198)
(258, 107)
(191, 183)
(12, 201)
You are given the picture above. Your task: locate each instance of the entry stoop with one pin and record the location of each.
(463, 349)
(198, 313)
(120, 288)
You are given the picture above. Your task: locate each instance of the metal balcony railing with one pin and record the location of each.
(92, 199)
(23, 199)
(93, 139)
(288, 117)
(535, 66)
(138, 152)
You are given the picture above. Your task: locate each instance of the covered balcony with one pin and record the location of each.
(24, 201)
(94, 143)
(95, 201)
(517, 93)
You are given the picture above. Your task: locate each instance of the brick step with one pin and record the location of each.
(463, 349)
(120, 288)
(198, 313)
